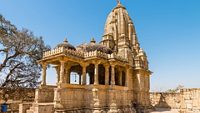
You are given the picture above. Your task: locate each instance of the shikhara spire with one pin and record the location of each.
(119, 32)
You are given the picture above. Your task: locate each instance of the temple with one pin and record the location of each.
(111, 76)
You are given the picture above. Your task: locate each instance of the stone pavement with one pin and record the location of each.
(166, 111)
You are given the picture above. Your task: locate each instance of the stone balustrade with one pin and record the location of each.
(74, 53)
(53, 52)
(81, 54)
(114, 56)
(95, 54)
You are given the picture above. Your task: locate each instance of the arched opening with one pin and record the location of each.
(51, 76)
(75, 74)
(74, 78)
(101, 73)
(90, 71)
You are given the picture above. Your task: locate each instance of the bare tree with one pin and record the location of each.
(19, 52)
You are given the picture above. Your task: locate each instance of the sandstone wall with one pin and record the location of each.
(190, 100)
(15, 97)
(91, 97)
(17, 94)
(165, 100)
(187, 101)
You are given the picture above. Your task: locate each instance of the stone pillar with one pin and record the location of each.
(62, 71)
(128, 74)
(58, 73)
(44, 68)
(112, 74)
(67, 76)
(84, 67)
(79, 79)
(96, 74)
(107, 74)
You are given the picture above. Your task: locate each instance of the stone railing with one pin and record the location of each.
(74, 53)
(114, 56)
(81, 54)
(53, 52)
(62, 50)
(95, 54)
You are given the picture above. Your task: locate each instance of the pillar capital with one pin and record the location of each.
(96, 62)
(84, 64)
(44, 64)
(62, 61)
(106, 65)
(113, 64)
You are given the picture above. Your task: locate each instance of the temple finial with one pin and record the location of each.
(65, 40)
(93, 40)
(118, 2)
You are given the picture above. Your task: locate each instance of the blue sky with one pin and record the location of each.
(168, 30)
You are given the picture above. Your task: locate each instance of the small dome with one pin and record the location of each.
(92, 46)
(66, 45)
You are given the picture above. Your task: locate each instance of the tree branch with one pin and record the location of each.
(7, 59)
(9, 74)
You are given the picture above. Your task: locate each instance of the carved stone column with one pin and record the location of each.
(84, 74)
(112, 74)
(128, 72)
(96, 74)
(44, 68)
(107, 74)
(79, 79)
(67, 72)
(62, 71)
(58, 73)
(120, 76)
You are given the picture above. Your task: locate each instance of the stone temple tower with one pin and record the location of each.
(120, 35)
(113, 75)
